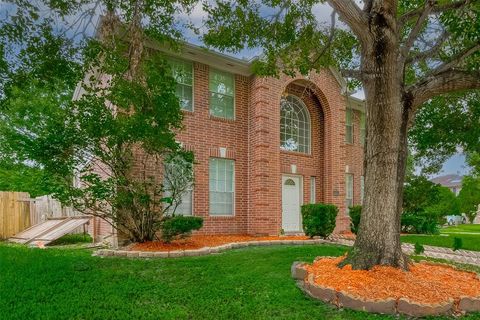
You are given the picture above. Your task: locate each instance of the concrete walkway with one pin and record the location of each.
(460, 256)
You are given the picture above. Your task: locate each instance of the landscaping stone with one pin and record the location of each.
(323, 293)
(298, 271)
(145, 254)
(176, 254)
(421, 310)
(132, 254)
(161, 254)
(121, 253)
(192, 253)
(357, 303)
(469, 304)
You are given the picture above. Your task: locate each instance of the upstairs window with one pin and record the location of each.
(362, 128)
(222, 94)
(349, 126)
(294, 125)
(182, 72)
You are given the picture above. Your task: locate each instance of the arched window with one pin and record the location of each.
(294, 125)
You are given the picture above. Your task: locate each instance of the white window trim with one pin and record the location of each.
(234, 95)
(234, 191)
(193, 80)
(309, 120)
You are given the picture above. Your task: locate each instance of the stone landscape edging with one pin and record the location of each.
(306, 283)
(203, 251)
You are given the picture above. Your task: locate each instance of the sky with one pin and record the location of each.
(456, 164)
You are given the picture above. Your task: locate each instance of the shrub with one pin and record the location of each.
(175, 227)
(419, 223)
(419, 249)
(457, 243)
(355, 213)
(319, 219)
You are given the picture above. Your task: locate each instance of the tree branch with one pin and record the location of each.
(351, 14)
(416, 29)
(444, 82)
(437, 8)
(330, 38)
(461, 56)
(430, 53)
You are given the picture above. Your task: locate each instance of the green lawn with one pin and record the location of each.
(470, 235)
(251, 283)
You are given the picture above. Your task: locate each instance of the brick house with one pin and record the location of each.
(265, 146)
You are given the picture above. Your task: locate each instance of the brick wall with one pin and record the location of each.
(252, 139)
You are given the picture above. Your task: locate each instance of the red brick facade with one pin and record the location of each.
(252, 140)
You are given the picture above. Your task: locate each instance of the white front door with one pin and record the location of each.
(291, 201)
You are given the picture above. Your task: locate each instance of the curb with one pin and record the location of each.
(205, 250)
(341, 299)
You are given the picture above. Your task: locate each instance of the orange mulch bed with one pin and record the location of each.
(201, 241)
(424, 283)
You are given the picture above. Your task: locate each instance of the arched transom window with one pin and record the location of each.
(294, 125)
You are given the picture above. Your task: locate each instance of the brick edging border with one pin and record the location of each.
(204, 251)
(305, 282)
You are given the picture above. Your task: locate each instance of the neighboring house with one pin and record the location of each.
(451, 181)
(265, 146)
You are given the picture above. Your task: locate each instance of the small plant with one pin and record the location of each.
(319, 219)
(457, 243)
(419, 249)
(355, 213)
(179, 227)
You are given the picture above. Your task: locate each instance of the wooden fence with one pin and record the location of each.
(18, 211)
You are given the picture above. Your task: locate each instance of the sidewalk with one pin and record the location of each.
(461, 256)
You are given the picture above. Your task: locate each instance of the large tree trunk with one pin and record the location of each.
(378, 239)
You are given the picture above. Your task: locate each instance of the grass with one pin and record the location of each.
(72, 239)
(469, 233)
(251, 283)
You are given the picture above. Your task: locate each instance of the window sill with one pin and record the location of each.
(221, 215)
(215, 118)
(188, 112)
(296, 153)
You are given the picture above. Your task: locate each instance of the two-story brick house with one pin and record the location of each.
(265, 146)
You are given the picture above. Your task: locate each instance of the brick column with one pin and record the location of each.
(264, 159)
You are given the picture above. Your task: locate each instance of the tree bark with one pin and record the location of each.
(378, 239)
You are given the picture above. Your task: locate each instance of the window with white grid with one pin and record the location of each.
(222, 186)
(294, 125)
(362, 129)
(312, 190)
(178, 186)
(182, 71)
(348, 190)
(362, 188)
(349, 126)
(222, 93)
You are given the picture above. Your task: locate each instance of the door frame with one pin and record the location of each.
(300, 178)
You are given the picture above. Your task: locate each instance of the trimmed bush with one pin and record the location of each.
(355, 213)
(179, 227)
(319, 219)
(419, 249)
(457, 244)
